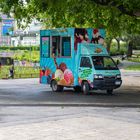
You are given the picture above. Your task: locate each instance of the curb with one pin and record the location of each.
(71, 105)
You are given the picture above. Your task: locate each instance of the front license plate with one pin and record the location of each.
(117, 82)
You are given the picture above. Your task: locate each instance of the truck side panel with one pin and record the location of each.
(61, 69)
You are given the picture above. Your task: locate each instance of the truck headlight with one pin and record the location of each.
(118, 76)
(98, 76)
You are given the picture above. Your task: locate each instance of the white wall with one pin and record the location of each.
(30, 41)
(25, 41)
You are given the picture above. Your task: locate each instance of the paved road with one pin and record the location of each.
(69, 123)
(130, 73)
(30, 93)
(30, 111)
(126, 63)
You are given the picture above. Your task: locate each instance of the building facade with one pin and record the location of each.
(6, 30)
(10, 35)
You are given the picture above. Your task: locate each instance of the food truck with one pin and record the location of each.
(77, 57)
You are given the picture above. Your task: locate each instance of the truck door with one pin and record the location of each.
(44, 53)
(85, 70)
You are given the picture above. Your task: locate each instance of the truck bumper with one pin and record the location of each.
(106, 84)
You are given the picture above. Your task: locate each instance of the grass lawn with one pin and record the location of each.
(135, 67)
(19, 72)
(132, 59)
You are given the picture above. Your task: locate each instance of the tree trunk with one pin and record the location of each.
(109, 45)
(118, 42)
(130, 49)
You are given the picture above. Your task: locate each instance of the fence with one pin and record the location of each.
(17, 76)
(19, 72)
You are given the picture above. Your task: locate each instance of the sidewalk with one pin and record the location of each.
(88, 124)
(131, 81)
(130, 78)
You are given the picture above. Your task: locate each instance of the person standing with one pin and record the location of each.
(0, 66)
(11, 72)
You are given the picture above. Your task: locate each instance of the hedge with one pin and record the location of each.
(37, 48)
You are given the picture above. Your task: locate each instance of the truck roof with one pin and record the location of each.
(70, 31)
(92, 49)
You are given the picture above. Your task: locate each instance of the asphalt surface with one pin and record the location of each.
(69, 123)
(28, 92)
(130, 73)
(30, 111)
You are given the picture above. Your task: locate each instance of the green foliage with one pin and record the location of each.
(136, 47)
(21, 48)
(134, 67)
(134, 59)
(114, 50)
(117, 17)
(32, 56)
(23, 53)
(114, 16)
(19, 72)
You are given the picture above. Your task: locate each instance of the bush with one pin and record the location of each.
(134, 59)
(135, 67)
(27, 55)
(136, 47)
(21, 48)
(20, 72)
(114, 51)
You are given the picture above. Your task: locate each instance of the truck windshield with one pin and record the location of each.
(104, 63)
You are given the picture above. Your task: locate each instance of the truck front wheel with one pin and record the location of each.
(55, 86)
(85, 88)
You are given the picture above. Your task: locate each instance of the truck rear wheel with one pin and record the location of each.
(56, 87)
(85, 88)
(77, 88)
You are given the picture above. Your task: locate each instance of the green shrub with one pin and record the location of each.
(137, 47)
(114, 50)
(21, 48)
(134, 67)
(134, 59)
(19, 72)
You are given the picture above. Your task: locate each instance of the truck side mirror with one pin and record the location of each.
(90, 66)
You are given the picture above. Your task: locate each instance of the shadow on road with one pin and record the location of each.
(126, 96)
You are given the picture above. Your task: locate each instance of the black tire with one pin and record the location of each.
(77, 89)
(110, 91)
(60, 88)
(56, 87)
(85, 88)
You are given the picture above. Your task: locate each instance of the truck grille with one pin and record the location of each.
(109, 77)
(109, 80)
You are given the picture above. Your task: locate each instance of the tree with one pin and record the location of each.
(116, 16)
(63, 10)
(128, 7)
(0, 19)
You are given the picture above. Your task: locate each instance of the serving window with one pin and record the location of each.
(66, 46)
(61, 46)
(55, 46)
